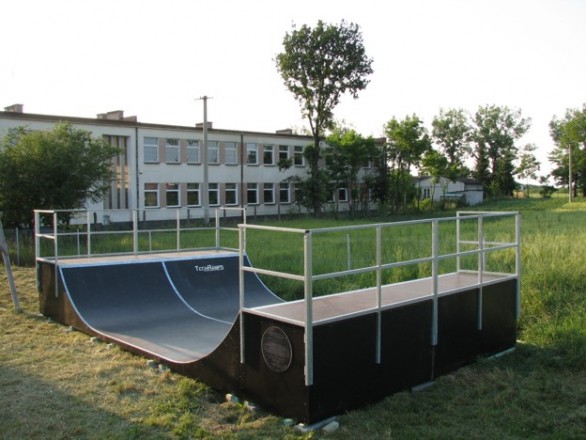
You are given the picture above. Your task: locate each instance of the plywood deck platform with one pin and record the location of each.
(354, 303)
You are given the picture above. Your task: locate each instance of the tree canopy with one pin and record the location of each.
(319, 65)
(496, 131)
(57, 169)
(569, 136)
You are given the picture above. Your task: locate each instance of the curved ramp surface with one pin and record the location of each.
(170, 308)
(208, 285)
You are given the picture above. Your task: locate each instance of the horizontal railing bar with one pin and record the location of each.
(274, 273)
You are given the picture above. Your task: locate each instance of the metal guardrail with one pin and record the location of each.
(85, 219)
(482, 249)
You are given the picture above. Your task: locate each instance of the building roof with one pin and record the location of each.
(117, 118)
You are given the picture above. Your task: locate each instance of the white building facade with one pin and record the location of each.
(161, 167)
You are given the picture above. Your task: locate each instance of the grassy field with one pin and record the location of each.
(57, 383)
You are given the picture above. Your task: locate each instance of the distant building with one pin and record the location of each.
(468, 191)
(161, 165)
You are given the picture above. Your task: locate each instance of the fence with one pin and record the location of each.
(21, 246)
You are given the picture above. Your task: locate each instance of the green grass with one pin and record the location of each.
(58, 384)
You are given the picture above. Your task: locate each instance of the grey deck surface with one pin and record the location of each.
(332, 307)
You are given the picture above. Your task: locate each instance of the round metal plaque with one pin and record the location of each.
(276, 349)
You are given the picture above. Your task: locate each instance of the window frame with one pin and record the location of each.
(153, 190)
(285, 186)
(172, 149)
(213, 147)
(251, 152)
(230, 146)
(194, 190)
(268, 149)
(154, 146)
(172, 188)
(268, 187)
(193, 145)
(298, 155)
(287, 152)
(233, 189)
(252, 187)
(214, 187)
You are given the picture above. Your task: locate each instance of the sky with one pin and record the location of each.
(154, 59)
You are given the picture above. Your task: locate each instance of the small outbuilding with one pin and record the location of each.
(463, 189)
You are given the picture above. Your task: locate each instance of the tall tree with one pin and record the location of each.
(569, 136)
(452, 133)
(436, 165)
(348, 152)
(496, 130)
(319, 65)
(528, 165)
(57, 169)
(408, 140)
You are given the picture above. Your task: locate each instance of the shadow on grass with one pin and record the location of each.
(31, 408)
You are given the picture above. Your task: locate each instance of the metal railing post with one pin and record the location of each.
(458, 238)
(241, 251)
(56, 252)
(435, 280)
(308, 291)
(178, 229)
(88, 226)
(379, 259)
(217, 229)
(135, 232)
(518, 261)
(481, 262)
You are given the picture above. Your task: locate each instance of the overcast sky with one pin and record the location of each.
(153, 59)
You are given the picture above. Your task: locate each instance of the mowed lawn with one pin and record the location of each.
(60, 384)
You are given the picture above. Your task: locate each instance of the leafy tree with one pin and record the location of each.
(407, 142)
(347, 153)
(436, 165)
(569, 135)
(496, 129)
(57, 169)
(319, 65)
(528, 165)
(452, 132)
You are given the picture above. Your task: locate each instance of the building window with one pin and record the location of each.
(193, 198)
(252, 154)
(213, 152)
(340, 195)
(298, 156)
(151, 149)
(252, 193)
(151, 195)
(230, 153)
(426, 193)
(172, 151)
(117, 195)
(172, 195)
(231, 194)
(193, 151)
(214, 194)
(268, 193)
(268, 155)
(283, 152)
(284, 192)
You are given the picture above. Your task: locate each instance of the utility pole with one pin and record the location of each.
(204, 158)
